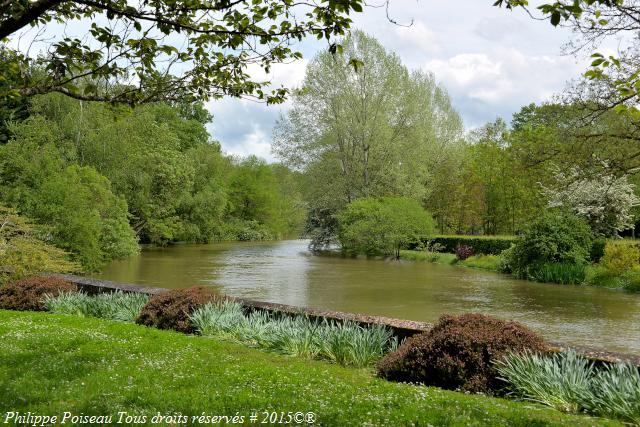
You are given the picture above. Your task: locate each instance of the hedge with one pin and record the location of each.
(487, 245)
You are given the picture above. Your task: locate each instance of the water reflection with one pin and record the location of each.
(285, 272)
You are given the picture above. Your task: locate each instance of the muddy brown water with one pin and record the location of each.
(285, 272)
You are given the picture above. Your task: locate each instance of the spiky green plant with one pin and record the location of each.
(114, 305)
(346, 343)
(561, 381)
(616, 392)
(569, 382)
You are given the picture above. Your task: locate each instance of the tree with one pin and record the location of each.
(383, 226)
(150, 50)
(24, 250)
(614, 80)
(75, 202)
(604, 201)
(374, 131)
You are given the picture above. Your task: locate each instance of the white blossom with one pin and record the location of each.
(604, 201)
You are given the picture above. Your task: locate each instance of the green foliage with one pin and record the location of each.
(117, 305)
(382, 226)
(570, 383)
(25, 252)
(564, 274)
(487, 245)
(75, 202)
(375, 131)
(264, 194)
(597, 249)
(620, 257)
(555, 237)
(173, 373)
(484, 262)
(629, 280)
(344, 343)
(437, 257)
(129, 55)
(102, 177)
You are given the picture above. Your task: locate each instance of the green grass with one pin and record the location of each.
(436, 257)
(55, 363)
(484, 262)
(597, 275)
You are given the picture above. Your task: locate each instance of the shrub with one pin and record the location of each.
(599, 276)
(437, 257)
(564, 274)
(488, 245)
(25, 252)
(382, 226)
(171, 310)
(463, 252)
(29, 293)
(620, 257)
(485, 262)
(113, 305)
(569, 382)
(244, 231)
(458, 353)
(555, 237)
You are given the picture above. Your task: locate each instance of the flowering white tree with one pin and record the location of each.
(605, 201)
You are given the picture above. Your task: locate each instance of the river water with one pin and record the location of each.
(285, 272)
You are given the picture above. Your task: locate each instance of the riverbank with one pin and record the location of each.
(99, 367)
(587, 275)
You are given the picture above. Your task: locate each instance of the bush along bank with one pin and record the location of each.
(558, 247)
(470, 352)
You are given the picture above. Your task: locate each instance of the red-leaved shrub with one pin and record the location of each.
(463, 252)
(28, 293)
(458, 353)
(171, 310)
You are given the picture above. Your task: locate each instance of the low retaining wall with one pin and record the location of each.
(401, 328)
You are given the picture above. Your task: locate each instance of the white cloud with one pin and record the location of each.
(502, 80)
(256, 143)
(418, 36)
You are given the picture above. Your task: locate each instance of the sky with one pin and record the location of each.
(491, 60)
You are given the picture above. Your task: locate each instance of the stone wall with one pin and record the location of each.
(401, 328)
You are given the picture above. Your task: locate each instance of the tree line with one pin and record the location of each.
(101, 178)
(383, 131)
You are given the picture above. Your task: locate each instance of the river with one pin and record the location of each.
(285, 272)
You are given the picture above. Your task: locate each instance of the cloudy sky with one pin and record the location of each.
(492, 62)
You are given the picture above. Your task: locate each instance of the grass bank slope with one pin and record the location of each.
(50, 364)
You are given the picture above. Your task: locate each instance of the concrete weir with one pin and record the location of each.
(401, 328)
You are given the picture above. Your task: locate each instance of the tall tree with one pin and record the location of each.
(369, 131)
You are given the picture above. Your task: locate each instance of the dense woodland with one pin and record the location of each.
(102, 179)
(99, 178)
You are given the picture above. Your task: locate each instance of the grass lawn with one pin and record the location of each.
(50, 364)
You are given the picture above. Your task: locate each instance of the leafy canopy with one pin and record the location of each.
(149, 50)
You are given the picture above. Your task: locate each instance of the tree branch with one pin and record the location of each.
(35, 9)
